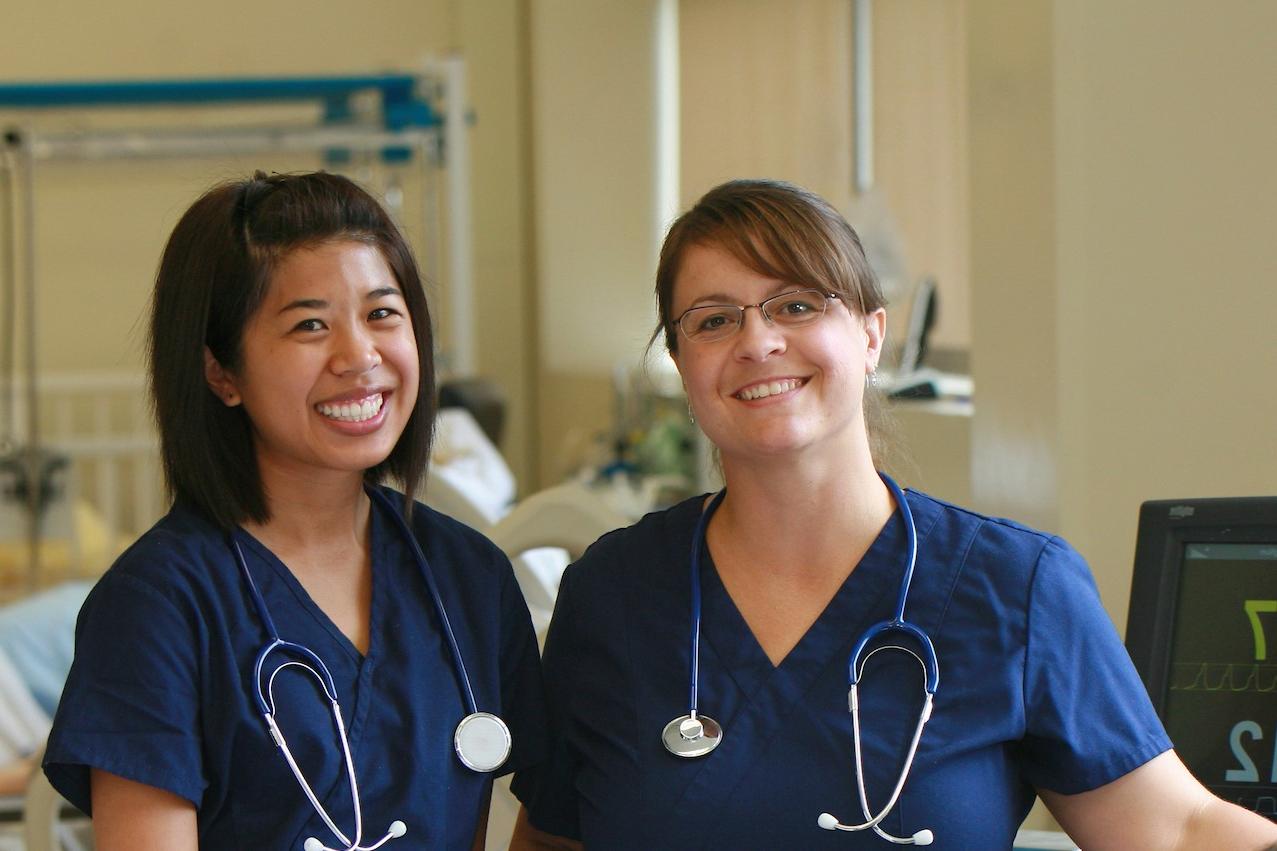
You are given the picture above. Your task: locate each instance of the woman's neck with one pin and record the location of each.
(788, 535)
(319, 528)
(810, 514)
(309, 510)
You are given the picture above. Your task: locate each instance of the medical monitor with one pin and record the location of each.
(922, 318)
(1202, 631)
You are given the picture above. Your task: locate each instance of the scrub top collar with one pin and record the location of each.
(868, 590)
(379, 540)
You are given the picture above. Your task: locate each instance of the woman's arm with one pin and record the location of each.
(1159, 805)
(528, 838)
(131, 816)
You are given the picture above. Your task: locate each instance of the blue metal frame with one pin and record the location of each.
(401, 107)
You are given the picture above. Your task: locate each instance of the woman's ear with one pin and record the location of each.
(221, 382)
(876, 337)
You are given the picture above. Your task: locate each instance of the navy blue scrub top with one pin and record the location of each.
(1036, 691)
(160, 691)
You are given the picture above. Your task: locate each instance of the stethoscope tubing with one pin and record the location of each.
(855, 670)
(275, 642)
(930, 664)
(315, 666)
(855, 663)
(698, 543)
(458, 663)
(931, 667)
(330, 688)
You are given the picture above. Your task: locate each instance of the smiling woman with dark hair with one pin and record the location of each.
(295, 656)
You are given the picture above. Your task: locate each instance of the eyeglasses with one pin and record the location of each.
(709, 322)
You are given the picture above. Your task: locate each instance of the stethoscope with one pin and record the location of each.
(482, 740)
(694, 734)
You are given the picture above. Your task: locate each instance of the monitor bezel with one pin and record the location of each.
(1165, 527)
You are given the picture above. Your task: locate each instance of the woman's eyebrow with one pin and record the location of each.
(321, 304)
(713, 298)
(304, 304)
(781, 288)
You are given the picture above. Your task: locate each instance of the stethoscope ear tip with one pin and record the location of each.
(827, 821)
(398, 828)
(923, 837)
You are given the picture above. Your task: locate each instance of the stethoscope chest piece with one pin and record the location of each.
(691, 736)
(482, 741)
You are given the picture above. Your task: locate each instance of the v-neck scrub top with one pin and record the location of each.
(1036, 691)
(161, 688)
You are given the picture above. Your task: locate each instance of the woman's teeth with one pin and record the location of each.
(352, 412)
(761, 391)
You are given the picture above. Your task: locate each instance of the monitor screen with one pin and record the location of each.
(1202, 631)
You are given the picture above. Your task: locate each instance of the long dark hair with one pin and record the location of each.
(213, 275)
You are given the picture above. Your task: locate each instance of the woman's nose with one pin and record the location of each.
(758, 337)
(355, 353)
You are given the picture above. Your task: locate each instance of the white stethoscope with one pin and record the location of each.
(693, 735)
(482, 740)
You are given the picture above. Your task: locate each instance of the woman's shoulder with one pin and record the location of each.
(178, 549)
(173, 577)
(443, 535)
(647, 549)
(652, 529)
(998, 543)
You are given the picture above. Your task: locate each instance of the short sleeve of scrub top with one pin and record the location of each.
(1036, 691)
(161, 688)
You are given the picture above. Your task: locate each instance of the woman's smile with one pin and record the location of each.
(769, 389)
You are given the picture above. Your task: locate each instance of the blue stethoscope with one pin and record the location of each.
(694, 735)
(482, 740)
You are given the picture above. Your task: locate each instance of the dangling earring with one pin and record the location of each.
(871, 380)
(691, 415)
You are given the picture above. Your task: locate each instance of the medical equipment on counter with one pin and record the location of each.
(482, 740)
(695, 735)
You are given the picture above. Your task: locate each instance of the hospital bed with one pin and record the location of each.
(109, 491)
(35, 653)
(470, 481)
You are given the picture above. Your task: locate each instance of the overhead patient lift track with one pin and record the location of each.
(414, 117)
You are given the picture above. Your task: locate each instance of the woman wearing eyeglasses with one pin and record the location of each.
(699, 662)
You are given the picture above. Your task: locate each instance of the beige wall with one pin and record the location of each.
(1122, 193)
(921, 149)
(597, 188)
(1014, 355)
(1166, 196)
(765, 92)
(493, 37)
(71, 39)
